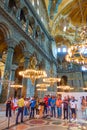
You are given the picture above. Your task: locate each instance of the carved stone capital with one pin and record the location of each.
(27, 54)
(14, 67)
(11, 43)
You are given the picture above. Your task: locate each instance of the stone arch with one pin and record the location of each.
(4, 34)
(6, 31)
(19, 52)
(22, 44)
(19, 59)
(38, 31)
(41, 64)
(23, 14)
(13, 4)
(31, 25)
(31, 21)
(42, 36)
(64, 80)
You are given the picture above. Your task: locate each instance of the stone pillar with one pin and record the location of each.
(13, 69)
(18, 16)
(27, 25)
(30, 89)
(8, 62)
(34, 31)
(8, 65)
(6, 5)
(25, 81)
(39, 38)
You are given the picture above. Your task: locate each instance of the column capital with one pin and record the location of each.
(14, 67)
(11, 43)
(27, 54)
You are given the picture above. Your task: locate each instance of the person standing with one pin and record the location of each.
(65, 107)
(26, 106)
(46, 104)
(14, 106)
(73, 106)
(49, 105)
(32, 107)
(41, 108)
(8, 107)
(20, 104)
(53, 104)
(59, 106)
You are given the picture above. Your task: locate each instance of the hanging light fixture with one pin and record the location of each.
(42, 85)
(77, 54)
(51, 80)
(65, 87)
(42, 89)
(84, 88)
(32, 73)
(16, 86)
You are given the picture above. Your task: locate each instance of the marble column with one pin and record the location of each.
(18, 16)
(25, 81)
(13, 69)
(27, 25)
(39, 38)
(6, 79)
(6, 5)
(34, 31)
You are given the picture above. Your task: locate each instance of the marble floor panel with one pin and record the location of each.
(41, 124)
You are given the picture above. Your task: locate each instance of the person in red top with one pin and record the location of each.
(46, 104)
(59, 106)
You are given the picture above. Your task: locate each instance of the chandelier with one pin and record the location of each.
(33, 74)
(42, 85)
(51, 80)
(83, 33)
(77, 54)
(84, 88)
(16, 86)
(65, 87)
(42, 89)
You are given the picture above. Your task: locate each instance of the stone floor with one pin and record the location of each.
(41, 124)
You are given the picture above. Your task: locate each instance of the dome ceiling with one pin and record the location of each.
(66, 17)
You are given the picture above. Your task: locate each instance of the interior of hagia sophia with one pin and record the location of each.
(66, 22)
(43, 55)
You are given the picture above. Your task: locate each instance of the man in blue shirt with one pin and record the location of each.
(32, 107)
(53, 103)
